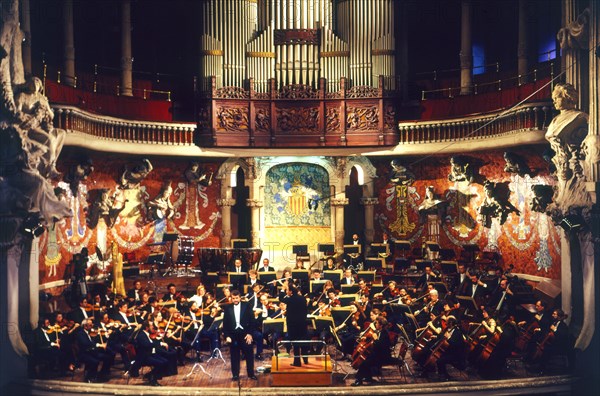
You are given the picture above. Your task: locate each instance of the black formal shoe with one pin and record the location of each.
(148, 375)
(258, 356)
(235, 378)
(297, 364)
(252, 377)
(134, 374)
(154, 383)
(370, 380)
(357, 383)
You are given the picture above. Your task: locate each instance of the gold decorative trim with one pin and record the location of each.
(382, 52)
(332, 54)
(212, 52)
(260, 54)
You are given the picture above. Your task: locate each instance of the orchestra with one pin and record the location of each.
(466, 318)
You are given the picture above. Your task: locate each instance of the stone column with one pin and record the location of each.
(369, 204)
(592, 141)
(26, 28)
(338, 205)
(225, 204)
(69, 44)
(574, 61)
(466, 50)
(126, 58)
(523, 44)
(255, 205)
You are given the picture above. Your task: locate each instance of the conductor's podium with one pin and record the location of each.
(316, 373)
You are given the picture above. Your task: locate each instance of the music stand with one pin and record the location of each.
(440, 287)
(301, 275)
(237, 279)
(239, 243)
(157, 259)
(326, 248)
(399, 310)
(380, 249)
(401, 264)
(316, 286)
(449, 267)
(421, 264)
(367, 276)
(215, 326)
(433, 248)
(339, 314)
(468, 303)
(335, 276)
(374, 263)
(376, 289)
(267, 277)
(211, 278)
(403, 246)
(471, 248)
(271, 326)
(346, 299)
(300, 250)
(349, 289)
(197, 364)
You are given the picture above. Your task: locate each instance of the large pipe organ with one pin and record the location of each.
(297, 73)
(297, 42)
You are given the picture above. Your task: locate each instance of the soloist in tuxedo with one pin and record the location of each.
(237, 328)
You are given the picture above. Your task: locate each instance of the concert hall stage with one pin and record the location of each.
(515, 380)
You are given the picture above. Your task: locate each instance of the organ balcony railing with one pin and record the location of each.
(533, 116)
(297, 116)
(102, 127)
(527, 118)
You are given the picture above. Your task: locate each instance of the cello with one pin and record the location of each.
(364, 347)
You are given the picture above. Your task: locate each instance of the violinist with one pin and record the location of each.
(349, 330)
(200, 296)
(365, 305)
(363, 288)
(145, 304)
(47, 346)
(332, 299)
(92, 352)
(83, 311)
(405, 298)
(226, 295)
(434, 306)
(377, 341)
(114, 344)
(390, 293)
(254, 295)
(454, 352)
(66, 336)
(348, 278)
(148, 355)
(128, 322)
(171, 295)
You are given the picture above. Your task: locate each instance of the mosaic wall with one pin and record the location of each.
(527, 240)
(194, 214)
(294, 196)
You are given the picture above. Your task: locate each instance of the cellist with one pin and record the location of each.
(454, 352)
(379, 346)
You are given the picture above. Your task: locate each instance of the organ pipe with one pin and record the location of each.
(297, 42)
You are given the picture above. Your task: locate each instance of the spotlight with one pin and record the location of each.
(32, 227)
(572, 223)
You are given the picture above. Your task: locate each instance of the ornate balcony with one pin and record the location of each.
(297, 116)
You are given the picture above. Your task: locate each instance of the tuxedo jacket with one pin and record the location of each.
(269, 269)
(229, 323)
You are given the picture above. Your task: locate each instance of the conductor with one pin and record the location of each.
(237, 328)
(296, 323)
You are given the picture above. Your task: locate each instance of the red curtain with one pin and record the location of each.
(131, 108)
(434, 109)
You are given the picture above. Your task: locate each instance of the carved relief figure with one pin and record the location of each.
(566, 134)
(400, 175)
(494, 206)
(41, 141)
(131, 178)
(78, 173)
(104, 207)
(542, 197)
(515, 164)
(460, 169)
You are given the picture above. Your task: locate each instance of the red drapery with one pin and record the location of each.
(434, 109)
(117, 106)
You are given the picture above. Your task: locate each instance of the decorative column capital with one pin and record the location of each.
(225, 202)
(254, 203)
(339, 201)
(369, 201)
